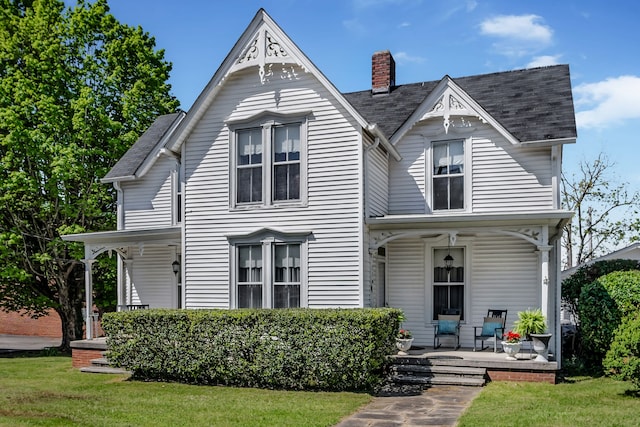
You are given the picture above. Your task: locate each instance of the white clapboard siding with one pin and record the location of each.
(509, 178)
(406, 283)
(377, 181)
(334, 156)
(505, 276)
(407, 177)
(153, 279)
(505, 178)
(147, 201)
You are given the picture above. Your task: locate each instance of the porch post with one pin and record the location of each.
(123, 297)
(544, 249)
(88, 290)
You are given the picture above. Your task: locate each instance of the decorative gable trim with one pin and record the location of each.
(457, 109)
(267, 52)
(264, 44)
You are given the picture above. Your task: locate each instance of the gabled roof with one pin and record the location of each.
(131, 164)
(532, 105)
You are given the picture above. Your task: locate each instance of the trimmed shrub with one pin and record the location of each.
(312, 349)
(602, 306)
(572, 285)
(623, 358)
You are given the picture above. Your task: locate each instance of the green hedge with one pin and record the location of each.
(623, 358)
(601, 307)
(302, 349)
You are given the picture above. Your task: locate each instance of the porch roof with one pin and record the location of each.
(555, 219)
(101, 241)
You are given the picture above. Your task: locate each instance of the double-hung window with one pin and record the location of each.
(448, 175)
(269, 271)
(268, 164)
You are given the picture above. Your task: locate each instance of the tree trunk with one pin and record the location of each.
(70, 308)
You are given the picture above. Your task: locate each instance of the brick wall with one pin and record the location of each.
(81, 358)
(15, 323)
(522, 376)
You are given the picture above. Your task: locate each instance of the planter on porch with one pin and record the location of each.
(511, 349)
(403, 345)
(541, 346)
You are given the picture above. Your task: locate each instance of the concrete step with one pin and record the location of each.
(439, 380)
(440, 369)
(104, 370)
(100, 362)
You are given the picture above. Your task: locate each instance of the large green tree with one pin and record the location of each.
(76, 89)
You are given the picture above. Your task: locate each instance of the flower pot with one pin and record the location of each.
(403, 345)
(511, 349)
(541, 346)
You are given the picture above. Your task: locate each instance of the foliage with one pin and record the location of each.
(622, 361)
(332, 349)
(76, 90)
(602, 306)
(530, 322)
(605, 212)
(512, 337)
(48, 392)
(577, 402)
(404, 334)
(572, 285)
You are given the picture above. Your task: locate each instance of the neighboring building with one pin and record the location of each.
(629, 252)
(277, 190)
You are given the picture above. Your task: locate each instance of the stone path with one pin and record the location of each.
(436, 406)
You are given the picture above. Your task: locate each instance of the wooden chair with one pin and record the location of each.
(492, 329)
(448, 326)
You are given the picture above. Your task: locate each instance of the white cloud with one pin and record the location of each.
(354, 26)
(471, 5)
(607, 103)
(518, 27)
(404, 24)
(544, 61)
(403, 57)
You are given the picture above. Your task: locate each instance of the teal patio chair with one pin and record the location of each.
(492, 329)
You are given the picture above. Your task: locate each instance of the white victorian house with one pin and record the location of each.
(277, 190)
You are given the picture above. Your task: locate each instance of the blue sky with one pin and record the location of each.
(428, 39)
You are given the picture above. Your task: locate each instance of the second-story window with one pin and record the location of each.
(269, 164)
(448, 175)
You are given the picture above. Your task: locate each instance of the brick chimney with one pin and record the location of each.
(383, 72)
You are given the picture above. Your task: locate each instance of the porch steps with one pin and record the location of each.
(428, 372)
(103, 366)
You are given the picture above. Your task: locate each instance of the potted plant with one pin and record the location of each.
(533, 325)
(530, 322)
(404, 339)
(511, 344)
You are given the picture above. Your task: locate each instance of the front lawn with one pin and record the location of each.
(579, 402)
(47, 391)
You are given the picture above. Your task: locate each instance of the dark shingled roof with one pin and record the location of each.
(129, 164)
(533, 104)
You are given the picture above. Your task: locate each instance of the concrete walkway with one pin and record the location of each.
(17, 343)
(436, 406)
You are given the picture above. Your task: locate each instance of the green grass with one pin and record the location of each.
(586, 401)
(47, 391)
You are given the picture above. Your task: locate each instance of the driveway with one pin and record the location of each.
(17, 343)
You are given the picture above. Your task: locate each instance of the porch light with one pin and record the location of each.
(175, 266)
(448, 262)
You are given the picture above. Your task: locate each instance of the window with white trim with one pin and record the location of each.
(276, 283)
(448, 282)
(448, 175)
(268, 164)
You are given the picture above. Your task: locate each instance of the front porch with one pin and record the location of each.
(498, 368)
